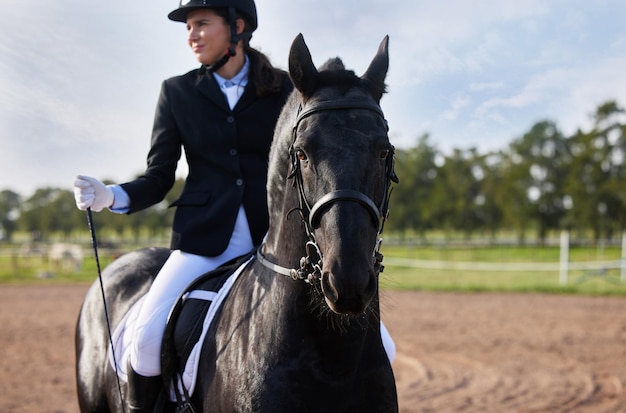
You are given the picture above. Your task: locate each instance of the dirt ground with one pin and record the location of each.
(456, 352)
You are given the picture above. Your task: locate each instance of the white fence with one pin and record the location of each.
(564, 266)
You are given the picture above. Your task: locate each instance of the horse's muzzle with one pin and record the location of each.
(348, 291)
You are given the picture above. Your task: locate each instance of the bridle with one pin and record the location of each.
(311, 264)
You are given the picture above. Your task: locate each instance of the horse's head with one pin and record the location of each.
(341, 165)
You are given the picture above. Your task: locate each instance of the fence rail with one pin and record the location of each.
(501, 266)
(563, 266)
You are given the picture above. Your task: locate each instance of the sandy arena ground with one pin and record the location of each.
(456, 352)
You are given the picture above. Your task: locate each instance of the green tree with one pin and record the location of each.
(457, 192)
(411, 207)
(47, 211)
(9, 211)
(534, 174)
(596, 181)
(490, 199)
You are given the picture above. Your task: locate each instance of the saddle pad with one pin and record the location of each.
(122, 336)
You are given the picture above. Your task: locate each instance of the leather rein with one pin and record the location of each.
(311, 264)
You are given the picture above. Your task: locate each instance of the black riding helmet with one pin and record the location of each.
(245, 8)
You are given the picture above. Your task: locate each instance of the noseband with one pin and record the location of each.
(311, 264)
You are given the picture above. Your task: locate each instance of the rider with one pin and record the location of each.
(223, 115)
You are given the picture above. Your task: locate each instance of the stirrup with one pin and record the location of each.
(185, 407)
(183, 401)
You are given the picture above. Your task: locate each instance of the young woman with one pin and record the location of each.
(223, 115)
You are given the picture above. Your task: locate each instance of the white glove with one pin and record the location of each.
(91, 193)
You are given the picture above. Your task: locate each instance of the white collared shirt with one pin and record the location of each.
(233, 88)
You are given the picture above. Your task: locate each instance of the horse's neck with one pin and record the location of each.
(309, 327)
(285, 243)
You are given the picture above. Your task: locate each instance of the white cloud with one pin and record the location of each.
(459, 103)
(79, 83)
(478, 87)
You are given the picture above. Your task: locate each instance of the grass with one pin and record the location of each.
(589, 282)
(36, 268)
(501, 253)
(401, 278)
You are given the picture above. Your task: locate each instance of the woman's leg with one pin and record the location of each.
(388, 343)
(177, 273)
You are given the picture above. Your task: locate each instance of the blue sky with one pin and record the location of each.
(79, 81)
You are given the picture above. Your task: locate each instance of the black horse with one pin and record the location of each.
(300, 330)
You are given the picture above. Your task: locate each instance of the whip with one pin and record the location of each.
(94, 243)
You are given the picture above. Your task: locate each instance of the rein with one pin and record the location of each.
(312, 263)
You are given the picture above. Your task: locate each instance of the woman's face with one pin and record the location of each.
(208, 35)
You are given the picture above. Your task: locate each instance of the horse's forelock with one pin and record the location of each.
(334, 63)
(334, 73)
(341, 80)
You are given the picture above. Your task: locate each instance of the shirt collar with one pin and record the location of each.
(240, 78)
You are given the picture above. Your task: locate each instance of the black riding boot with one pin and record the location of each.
(142, 392)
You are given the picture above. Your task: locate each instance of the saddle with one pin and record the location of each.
(188, 323)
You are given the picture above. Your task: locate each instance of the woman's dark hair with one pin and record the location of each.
(266, 78)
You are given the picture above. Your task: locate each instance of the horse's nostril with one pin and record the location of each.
(328, 289)
(372, 285)
(350, 299)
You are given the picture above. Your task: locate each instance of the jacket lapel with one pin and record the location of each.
(247, 98)
(207, 85)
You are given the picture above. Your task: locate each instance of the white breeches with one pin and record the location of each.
(388, 343)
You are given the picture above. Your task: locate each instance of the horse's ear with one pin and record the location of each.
(377, 71)
(301, 68)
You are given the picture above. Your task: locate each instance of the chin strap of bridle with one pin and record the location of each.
(234, 39)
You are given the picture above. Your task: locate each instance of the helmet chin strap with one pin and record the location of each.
(234, 39)
(214, 67)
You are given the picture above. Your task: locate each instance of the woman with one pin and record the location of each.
(223, 115)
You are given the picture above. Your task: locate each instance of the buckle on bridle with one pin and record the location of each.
(378, 257)
(310, 265)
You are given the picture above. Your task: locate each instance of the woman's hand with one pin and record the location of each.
(91, 193)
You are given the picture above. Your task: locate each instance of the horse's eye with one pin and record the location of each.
(301, 155)
(384, 154)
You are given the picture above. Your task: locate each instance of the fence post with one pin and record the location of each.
(623, 263)
(564, 260)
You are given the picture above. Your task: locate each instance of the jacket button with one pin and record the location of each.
(239, 182)
(230, 119)
(232, 152)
